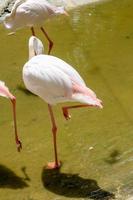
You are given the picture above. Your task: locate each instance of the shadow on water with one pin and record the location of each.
(8, 179)
(113, 157)
(27, 178)
(72, 185)
(24, 90)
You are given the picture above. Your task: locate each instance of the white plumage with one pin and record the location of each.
(55, 81)
(4, 91)
(32, 13)
(52, 79)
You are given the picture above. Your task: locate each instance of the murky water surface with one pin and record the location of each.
(98, 41)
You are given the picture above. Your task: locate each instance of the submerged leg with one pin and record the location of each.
(18, 142)
(65, 110)
(49, 40)
(56, 164)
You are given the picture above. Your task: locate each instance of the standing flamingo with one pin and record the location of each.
(32, 13)
(55, 81)
(4, 91)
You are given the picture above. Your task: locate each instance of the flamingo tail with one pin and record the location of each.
(86, 95)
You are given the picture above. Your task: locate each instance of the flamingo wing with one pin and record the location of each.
(28, 13)
(57, 63)
(50, 83)
(16, 5)
(56, 81)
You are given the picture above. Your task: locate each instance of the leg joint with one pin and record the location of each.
(54, 129)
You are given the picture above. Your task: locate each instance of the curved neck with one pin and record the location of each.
(32, 52)
(35, 47)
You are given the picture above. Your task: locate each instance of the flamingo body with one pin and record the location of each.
(53, 80)
(4, 91)
(30, 13)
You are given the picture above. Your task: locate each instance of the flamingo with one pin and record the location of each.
(55, 81)
(32, 13)
(4, 91)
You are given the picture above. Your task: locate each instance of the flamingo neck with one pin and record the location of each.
(32, 52)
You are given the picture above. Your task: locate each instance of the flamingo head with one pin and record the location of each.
(61, 10)
(8, 21)
(35, 47)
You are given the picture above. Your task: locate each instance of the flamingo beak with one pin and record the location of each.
(11, 33)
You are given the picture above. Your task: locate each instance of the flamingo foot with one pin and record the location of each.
(19, 145)
(66, 114)
(53, 165)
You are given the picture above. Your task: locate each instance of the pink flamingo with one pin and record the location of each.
(55, 81)
(4, 91)
(32, 13)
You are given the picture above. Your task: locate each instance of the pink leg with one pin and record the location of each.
(56, 164)
(65, 109)
(18, 142)
(33, 32)
(50, 42)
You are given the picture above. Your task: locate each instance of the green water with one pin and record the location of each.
(98, 41)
